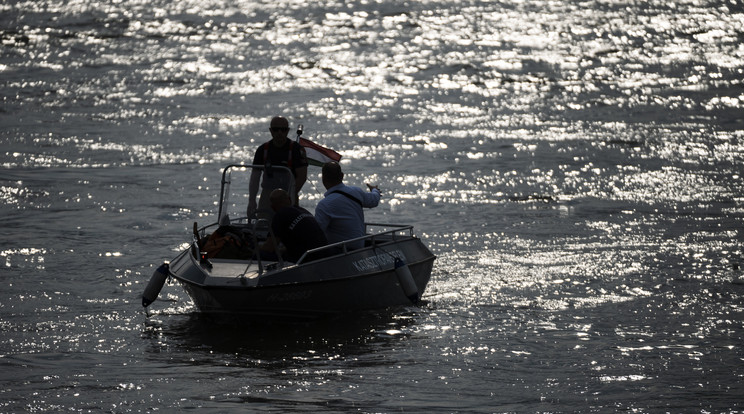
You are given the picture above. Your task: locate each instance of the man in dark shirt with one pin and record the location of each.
(294, 227)
(280, 151)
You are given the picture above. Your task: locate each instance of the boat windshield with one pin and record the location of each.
(235, 185)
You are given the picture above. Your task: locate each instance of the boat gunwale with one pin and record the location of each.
(392, 233)
(286, 284)
(204, 286)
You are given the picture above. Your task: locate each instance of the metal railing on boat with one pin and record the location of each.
(395, 232)
(371, 238)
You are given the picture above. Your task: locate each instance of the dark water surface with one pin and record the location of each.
(575, 166)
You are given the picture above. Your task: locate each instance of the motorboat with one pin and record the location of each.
(392, 268)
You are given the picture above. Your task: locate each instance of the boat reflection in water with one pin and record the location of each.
(392, 269)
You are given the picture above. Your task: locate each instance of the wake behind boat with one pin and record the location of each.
(223, 272)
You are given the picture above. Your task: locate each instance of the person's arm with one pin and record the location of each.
(268, 245)
(254, 183)
(271, 245)
(372, 198)
(273, 242)
(253, 191)
(300, 178)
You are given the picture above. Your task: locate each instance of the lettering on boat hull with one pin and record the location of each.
(378, 261)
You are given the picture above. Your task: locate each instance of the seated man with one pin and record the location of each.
(294, 227)
(340, 213)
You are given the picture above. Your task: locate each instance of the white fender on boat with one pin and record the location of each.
(157, 280)
(406, 280)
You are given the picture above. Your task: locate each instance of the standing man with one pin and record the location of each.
(340, 213)
(280, 151)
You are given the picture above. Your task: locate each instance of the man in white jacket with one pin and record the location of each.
(340, 213)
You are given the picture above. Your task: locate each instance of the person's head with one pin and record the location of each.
(279, 129)
(332, 174)
(279, 198)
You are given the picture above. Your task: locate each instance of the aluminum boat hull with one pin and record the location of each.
(362, 279)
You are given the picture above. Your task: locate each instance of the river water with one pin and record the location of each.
(576, 166)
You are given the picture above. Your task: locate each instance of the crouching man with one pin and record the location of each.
(293, 227)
